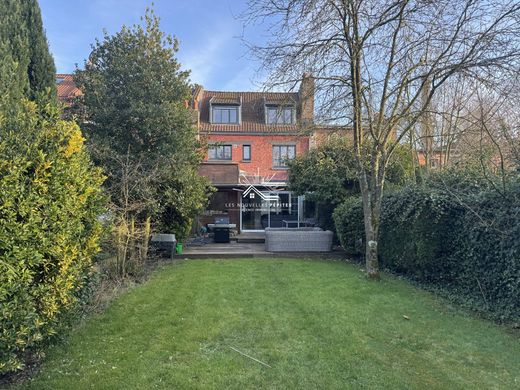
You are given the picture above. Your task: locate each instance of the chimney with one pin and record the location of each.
(197, 95)
(306, 95)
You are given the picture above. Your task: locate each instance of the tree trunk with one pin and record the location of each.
(371, 178)
(371, 217)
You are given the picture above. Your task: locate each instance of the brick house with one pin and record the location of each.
(66, 89)
(251, 136)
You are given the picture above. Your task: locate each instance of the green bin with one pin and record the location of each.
(178, 249)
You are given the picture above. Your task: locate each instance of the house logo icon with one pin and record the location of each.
(252, 192)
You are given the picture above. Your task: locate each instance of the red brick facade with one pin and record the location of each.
(261, 162)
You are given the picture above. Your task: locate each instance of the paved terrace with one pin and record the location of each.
(245, 245)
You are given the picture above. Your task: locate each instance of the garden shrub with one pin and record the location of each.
(464, 245)
(327, 175)
(49, 206)
(348, 218)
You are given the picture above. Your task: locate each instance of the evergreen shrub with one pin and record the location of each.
(463, 245)
(50, 201)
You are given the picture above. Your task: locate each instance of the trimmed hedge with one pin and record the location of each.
(50, 199)
(471, 255)
(419, 233)
(490, 249)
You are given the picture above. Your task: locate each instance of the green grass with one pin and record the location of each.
(318, 324)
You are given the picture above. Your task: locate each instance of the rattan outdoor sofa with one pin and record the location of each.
(306, 239)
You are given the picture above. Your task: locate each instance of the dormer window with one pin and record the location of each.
(225, 110)
(224, 114)
(279, 115)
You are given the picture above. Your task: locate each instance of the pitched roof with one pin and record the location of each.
(67, 89)
(253, 115)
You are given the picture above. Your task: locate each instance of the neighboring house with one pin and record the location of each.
(251, 136)
(321, 134)
(66, 89)
(437, 158)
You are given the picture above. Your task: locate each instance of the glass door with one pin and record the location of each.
(275, 209)
(283, 211)
(254, 212)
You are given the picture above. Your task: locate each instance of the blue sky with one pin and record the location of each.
(208, 31)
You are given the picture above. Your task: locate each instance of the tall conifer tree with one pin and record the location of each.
(22, 35)
(14, 49)
(41, 70)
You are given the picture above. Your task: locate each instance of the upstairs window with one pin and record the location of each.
(246, 152)
(279, 115)
(220, 152)
(283, 153)
(224, 114)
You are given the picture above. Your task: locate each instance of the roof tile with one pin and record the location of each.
(66, 88)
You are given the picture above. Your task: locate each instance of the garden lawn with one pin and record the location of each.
(318, 324)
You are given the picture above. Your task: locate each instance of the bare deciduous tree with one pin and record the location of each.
(378, 64)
